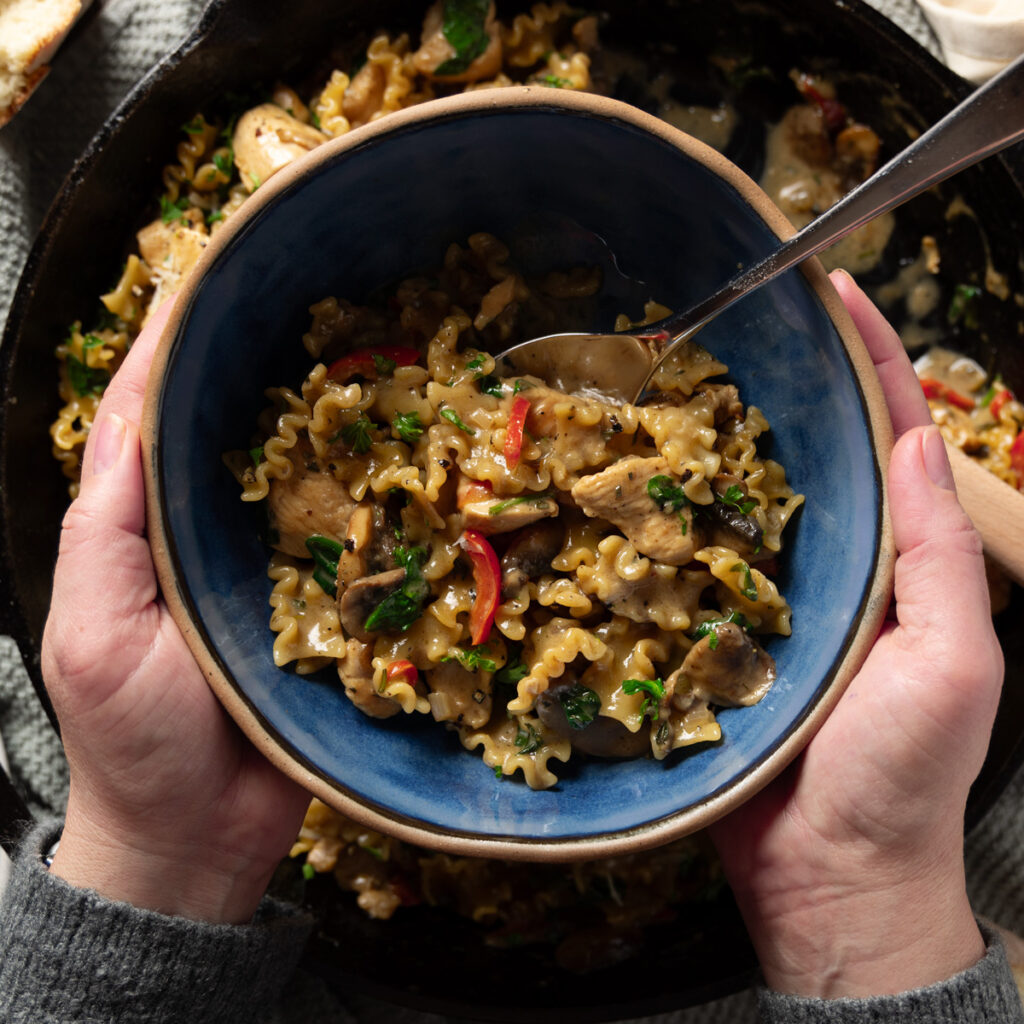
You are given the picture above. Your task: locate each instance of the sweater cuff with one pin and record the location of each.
(983, 994)
(68, 954)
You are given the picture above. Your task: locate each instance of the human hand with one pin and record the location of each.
(848, 868)
(170, 807)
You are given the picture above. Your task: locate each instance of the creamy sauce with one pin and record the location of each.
(803, 192)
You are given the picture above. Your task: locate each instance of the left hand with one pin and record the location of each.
(170, 806)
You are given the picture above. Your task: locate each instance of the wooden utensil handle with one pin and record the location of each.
(996, 509)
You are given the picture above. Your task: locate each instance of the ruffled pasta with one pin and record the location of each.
(397, 475)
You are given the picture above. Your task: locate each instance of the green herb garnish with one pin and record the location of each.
(964, 305)
(528, 739)
(556, 82)
(748, 589)
(384, 366)
(667, 495)
(172, 211)
(709, 628)
(580, 704)
(463, 27)
(195, 126)
(407, 426)
(512, 671)
(453, 417)
(734, 498)
(224, 162)
(472, 659)
(653, 688)
(325, 553)
(357, 434)
(85, 379)
(256, 454)
(522, 499)
(214, 215)
(308, 872)
(491, 385)
(402, 607)
(476, 362)
(520, 385)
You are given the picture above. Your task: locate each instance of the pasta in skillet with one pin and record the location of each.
(540, 572)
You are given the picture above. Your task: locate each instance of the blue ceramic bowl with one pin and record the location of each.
(564, 179)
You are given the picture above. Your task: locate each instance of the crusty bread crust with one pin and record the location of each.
(31, 31)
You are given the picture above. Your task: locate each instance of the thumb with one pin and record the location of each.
(940, 584)
(104, 569)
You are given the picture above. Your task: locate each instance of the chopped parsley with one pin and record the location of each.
(520, 385)
(964, 305)
(172, 211)
(511, 672)
(556, 82)
(453, 417)
(256, 454)
(408, 426)
(498, 772)
(357, 434)
(749, 588)
(384, 366)
(472, 659)
(668, 496)
(528, 739)
(580, 704)
(476, 362)
(653, 688)
(522, 499)
(735, 498)
(195, 126)
(85, 379)
(491, 385)
(325, 553)
(308, 871)
(224, 162)
(709, 628)
(214, 215)
(463, 26)
(402, 607)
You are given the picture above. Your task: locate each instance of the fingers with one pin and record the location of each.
(903, 394)
(940, 575)
(125, 394)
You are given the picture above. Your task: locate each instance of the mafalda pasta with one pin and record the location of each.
(540, 572)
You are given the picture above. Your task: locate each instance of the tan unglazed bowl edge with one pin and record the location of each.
(651, 834)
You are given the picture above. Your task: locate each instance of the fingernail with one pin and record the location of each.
(107, 443)
(936, 462)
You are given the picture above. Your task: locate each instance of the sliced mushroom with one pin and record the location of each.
(620, 495)
(728, 667)
(435, 49)
(730, 527)
(530, 554)
(358, 601)
(603, 737)
(268, 138)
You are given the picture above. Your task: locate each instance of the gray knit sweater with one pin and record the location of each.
(67, 955)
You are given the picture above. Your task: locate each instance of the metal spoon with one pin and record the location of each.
(620, 366)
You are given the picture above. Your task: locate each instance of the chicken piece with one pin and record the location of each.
(355, 671)
(358, 601)
(619, 494)
(268, 138)
(435, 50)
(729, 667)
(309, 502)
(171, 250)
(477, 503)
(458, 696)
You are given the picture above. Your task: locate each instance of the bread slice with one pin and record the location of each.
(30, 33)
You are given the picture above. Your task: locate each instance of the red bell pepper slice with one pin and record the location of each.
(361, 361)
(403, 671)
(936, 389)
(1003, 395)
(1017, 459)
(832, 110)
(487, 577)
(514, 431)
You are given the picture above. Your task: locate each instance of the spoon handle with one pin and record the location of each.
(989, 120)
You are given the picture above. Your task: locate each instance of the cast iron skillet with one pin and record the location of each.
(886, 79)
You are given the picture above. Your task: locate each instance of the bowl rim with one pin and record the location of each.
(875, 601)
